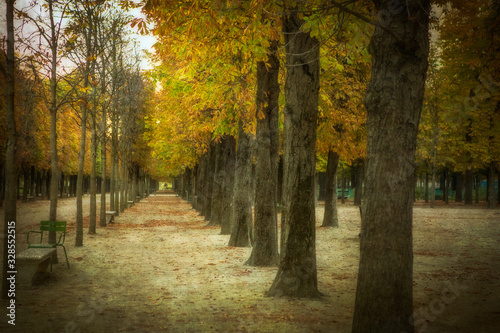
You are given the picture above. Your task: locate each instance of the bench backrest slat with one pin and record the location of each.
(53, 225)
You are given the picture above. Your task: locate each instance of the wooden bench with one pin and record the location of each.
(130, 204)
(30, 198)
(110, 216)
(32, 264)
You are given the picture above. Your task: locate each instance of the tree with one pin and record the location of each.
(46, 53)
(330, 218)
(242, 203)
(394, 98)
(8, 71)
(265, 245)
(297, 273)
(82, 26)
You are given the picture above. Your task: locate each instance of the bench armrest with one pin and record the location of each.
(35, 232)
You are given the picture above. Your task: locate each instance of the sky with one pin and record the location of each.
(145, 42)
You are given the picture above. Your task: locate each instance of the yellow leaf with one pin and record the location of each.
(261, 115)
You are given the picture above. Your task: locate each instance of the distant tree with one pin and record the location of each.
(43, 47)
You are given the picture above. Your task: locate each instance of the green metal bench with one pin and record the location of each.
(48, 226)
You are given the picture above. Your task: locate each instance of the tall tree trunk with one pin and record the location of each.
(342, 186)
(81, 162)
(32, 181)
(26, 183)
(426, 187)
(478, 184)
(491, 185)
(446, 175)
(297, 272)
(200, 203)
(53, 125)
(102, 215)
(330, 218)
(460, 187)
(209, 180)
(38, 183)
(265, 232)
(118, 177)
(433, 181)
(63, 188)
(135, 182)
(242, 202)
(393, 100)
(123, 180)
(469, 181)
(228, 185)
(358, 194)
(93, 176)
(321, 186)
(194, 180)
(217, 190)
(10, 212)
(112, 179)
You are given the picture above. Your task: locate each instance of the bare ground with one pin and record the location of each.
(158, 268)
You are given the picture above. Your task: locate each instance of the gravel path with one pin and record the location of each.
(159, 268)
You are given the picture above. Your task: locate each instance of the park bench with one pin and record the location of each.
(32, 263)
(30, 198)
(110, 216)
(130, 204)
(46, 227)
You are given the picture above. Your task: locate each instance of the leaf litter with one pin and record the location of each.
(160, 268)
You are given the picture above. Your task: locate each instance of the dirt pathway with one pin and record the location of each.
(160, 269)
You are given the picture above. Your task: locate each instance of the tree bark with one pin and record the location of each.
(478, 183)
(26, 183)
(297, 272)
(265, 232)
(32, 181)
(446, 176)
(93, 175)
(217, 189)
(459, 187)
(393, 100)
(498, 187)
(201, 183)
(53, 125)
(358, 194)
(228, 185)
(426, 187)
(209, 181)
(342, 186)
(330, 218)
(10, 211)
(491, 185)
(469, 180)
(242, 202)
(102, 215)
(81, 161)
(124, 178)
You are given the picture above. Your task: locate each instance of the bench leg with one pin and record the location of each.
(66, 255)
(31, 271)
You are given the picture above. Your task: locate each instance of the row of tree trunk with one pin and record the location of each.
(466, 186)
(35, 183)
